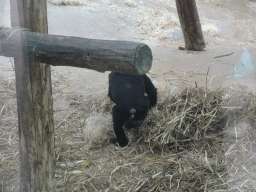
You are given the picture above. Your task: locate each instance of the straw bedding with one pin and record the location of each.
(68, 2)
(197, 140)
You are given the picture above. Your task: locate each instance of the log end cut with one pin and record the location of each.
(143, 58)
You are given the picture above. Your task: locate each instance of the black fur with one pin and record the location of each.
(133, 95)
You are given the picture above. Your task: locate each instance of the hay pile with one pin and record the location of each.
(183, 145)
(188, 116)
(68, 2)
(196, 140)
(210, 29)
(158, 24)
(131, 3)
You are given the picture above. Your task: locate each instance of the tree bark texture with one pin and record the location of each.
(190, 25)
(100, 55)
(34, 101)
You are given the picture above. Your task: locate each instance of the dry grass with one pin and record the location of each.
(9, 155)
(210, 29)
(188, 116)
(68, 2)
(239, 140)
(131, 3)
(158, 24)
(196, 140)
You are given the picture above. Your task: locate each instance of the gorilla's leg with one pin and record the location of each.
(119, 118)
(137, 120)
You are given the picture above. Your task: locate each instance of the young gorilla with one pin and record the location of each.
(133, 96)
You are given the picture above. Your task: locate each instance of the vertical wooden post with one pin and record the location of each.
(190, 25)
(35, 106)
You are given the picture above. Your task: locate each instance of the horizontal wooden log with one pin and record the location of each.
(100, 55)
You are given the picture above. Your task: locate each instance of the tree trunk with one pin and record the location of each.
(34, 101)
(190, 25)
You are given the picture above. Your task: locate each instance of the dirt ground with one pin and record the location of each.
(229, 27)
(230, 32)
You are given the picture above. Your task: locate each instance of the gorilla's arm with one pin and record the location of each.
(110, 94)
(150, 90)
